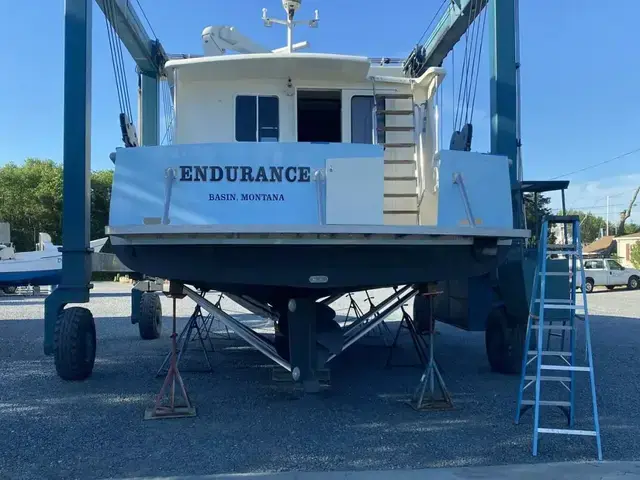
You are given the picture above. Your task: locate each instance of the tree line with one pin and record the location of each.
(31, 201)
(590, 227)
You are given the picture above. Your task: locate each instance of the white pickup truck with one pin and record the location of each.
(608, 273)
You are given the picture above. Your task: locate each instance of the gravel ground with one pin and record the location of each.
(245, 423)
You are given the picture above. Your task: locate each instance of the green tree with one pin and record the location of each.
(536, 208)
(101, 182)
(590, 225)
(635, 255)
(31, 201)
(630, 228)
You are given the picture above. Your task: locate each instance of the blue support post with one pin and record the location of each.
(76, 253)
(504, 99)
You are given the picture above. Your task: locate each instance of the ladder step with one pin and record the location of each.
(395, 112)
(550, 353)
(396, 129)
(400, 212)
(555, 300)
(562, 252)
(565, 368)
(565, 307)
(552, 327)
(394, 96)
(548, 403)
(556, 274)
(399, 162)
(567, 431)
(552, 246)
(546, 378)
(399, 145)
(563, 219)
(401, 195)
(402, 179)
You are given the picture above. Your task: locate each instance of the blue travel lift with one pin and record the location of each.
(496, 303)
(541, 355)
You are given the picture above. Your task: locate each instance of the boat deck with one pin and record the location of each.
(307, 234)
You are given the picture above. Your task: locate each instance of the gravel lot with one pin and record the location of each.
(245, 423)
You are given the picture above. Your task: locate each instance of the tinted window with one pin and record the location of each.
(246, 119)
(269, 119)
(362, 118)
(614, 265)
(257, 119)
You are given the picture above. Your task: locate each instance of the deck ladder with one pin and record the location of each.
(541, 356)
(401, 176)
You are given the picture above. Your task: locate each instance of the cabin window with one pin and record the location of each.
(257, 118)
(361, 119)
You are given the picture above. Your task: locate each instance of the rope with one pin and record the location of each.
(168, 113)
(477, 69)
(117, 61)
(474, 36)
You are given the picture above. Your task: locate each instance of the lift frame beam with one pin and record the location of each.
(502, 51)
(150, 58)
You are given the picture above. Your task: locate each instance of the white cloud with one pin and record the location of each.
(592, 196)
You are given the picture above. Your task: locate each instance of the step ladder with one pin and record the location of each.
(400, 167)
(541, 356)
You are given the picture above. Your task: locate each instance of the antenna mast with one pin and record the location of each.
(290, 6)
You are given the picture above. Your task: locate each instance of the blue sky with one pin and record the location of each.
(580, 93)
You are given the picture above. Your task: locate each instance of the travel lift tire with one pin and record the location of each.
(10, 290)
(74, 346)
(422, 313)
(504, 343)
(150, 319)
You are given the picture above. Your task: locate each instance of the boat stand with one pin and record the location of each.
(374, 318)
(208, 323)
(417, 339)
(431, 377)
(196, 329)
(173, 410)
(303, 367)
(253, 338)
(382, 330)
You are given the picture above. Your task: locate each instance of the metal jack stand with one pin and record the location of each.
(353, 305)
(417, 339)
(381, 330)
(432, 378)
(198, 323)
(173, 375)
(208, 321)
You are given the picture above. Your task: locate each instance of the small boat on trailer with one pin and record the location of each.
(40, 267)
(295, 178)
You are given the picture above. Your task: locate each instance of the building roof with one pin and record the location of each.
(600, 244)
(630, 236)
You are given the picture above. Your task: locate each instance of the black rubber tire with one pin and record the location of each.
(504, 345)
(633, 283)
(74, 343)
(10, 290)
(150, 319)
(589, 285)
(422, 313)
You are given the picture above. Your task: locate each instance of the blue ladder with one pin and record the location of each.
(536, 321)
